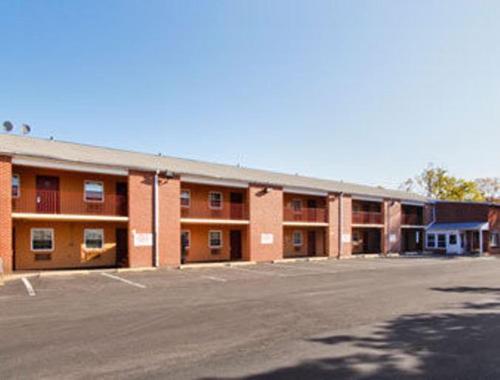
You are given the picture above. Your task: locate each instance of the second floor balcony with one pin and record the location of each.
(367, 217)
(305, 214)
(227, 211)
(70, 203)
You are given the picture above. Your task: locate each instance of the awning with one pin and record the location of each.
(465, 226)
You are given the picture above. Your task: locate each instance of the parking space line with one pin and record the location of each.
(309, 269)
(29, 287)
(274, 274)
(213, 278)
(124, 280)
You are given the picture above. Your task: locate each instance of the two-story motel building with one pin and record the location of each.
(66, 205)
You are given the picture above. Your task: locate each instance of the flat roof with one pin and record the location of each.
(13, 145)
(458, 226)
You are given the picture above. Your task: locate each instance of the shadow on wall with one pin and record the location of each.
(460, 344)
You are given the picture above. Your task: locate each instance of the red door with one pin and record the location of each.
(235, 241)
(311, 243)
(47, 195)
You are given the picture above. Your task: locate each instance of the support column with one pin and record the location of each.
(392, 227)
(346, 228)
(266, 223)
(333, 203)
(140, 214)
(170, 221)
(6, 213)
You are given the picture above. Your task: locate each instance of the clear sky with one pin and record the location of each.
(363, 91)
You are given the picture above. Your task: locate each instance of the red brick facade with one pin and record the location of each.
(5, 213)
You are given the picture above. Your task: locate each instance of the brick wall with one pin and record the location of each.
(392, 227)
(332, 241)
(6, 212)
(266, 217)
(297, 251)
(169, 223)
(346, 246)
(452, 212)
(140, 200)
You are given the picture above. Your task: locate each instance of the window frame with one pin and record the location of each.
(53, 240)
(299, 202)
(188, 192)
(445, 239)
(210, 193)
(210, 239)
(298, 233)
(87, 181)
(85, 238)
(434, 245)
(188, 232)
(450, 237)
(497, 244)
(15, 175)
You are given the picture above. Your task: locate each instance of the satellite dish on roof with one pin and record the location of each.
(25, 129)
(8, 126)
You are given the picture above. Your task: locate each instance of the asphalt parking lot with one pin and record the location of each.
(366, 318)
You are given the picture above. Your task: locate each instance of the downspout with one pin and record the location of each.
(341, 218)
(156, 221)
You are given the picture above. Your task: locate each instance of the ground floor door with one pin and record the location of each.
(121, 247)
(311, 243)
(412, 240)
(235, 244)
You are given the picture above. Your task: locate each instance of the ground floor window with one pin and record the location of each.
(185, 239)
(441, 241)
(431, 240)
(215, 239)
(93, 238)
(495, 239)
(42, 239)
(298, 238)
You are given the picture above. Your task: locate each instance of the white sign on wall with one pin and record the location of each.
(393, 238)
(266, 239)
(143, 240)
(346, 238)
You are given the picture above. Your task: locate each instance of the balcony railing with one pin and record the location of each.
(367, 217)
(55, 202)
(412, 220)
(201, 210)
(305, 214)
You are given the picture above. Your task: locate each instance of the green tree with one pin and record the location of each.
(435, 182)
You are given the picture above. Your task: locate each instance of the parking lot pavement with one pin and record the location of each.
(366, 318)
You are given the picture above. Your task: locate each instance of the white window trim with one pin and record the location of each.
(299, 201)
(210, 200)
(188, 198)
(210, 240)
(446, 241)
(301, 234)
(497, 234)
(85, 193)
(188, 232)
(101, 230)
(18, 187)
(427, 240)
(53, 240)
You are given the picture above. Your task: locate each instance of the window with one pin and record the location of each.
(42, 239)
(185, 198)
(215, 200)
(431, 240)
(93, 238)
(215, 239)
(297, 239)
(452, 239)
(185, 239)
(16, 186)
(94, 191)
(441, 241)
(296, 205)
(495, 239)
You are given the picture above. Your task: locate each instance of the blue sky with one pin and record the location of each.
(363, 91)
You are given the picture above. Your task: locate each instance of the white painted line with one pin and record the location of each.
(309, 269)
(219, 279)
(274, 274)
(28, 286)
(123, 280)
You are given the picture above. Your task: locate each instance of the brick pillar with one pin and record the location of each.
(170, 223)
(140, 214)
(333, 225)
(266, 223)
(392, 227)
(6, 213)
(346, 245)
(428, 214)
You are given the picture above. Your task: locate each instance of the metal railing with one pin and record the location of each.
(305, 214)
(412, 219)
(201, 210)
(367, 217)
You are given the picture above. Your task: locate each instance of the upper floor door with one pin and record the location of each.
(47, 195)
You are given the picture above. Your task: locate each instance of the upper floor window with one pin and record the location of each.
(215, 239)
(297, 238)
(16, 186)
(185, 198)
(94, 191)
(42, 239)
(215, 200)
(495, 239)
(93, 238)
(297, 205)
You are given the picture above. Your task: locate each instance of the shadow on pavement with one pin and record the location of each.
(463, 344)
